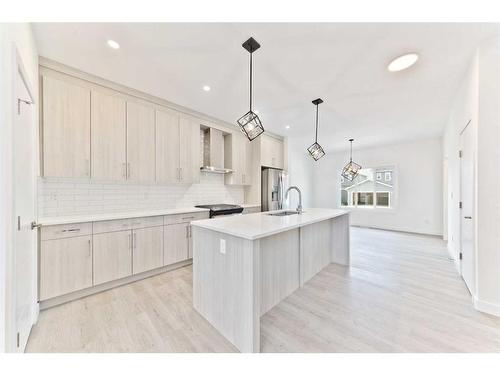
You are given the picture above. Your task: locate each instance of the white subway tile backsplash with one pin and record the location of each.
(62, 196)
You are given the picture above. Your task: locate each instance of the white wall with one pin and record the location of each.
(478, 100)
(418, 192)
(300, 169)
(464, 109)
(488, 179)
(14, 35)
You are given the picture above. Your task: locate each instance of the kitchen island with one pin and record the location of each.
(245, 265)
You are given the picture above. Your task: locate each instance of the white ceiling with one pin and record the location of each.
(343, 63)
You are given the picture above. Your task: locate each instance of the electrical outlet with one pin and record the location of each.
(222, 246)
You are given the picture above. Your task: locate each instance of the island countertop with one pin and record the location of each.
(259, 225)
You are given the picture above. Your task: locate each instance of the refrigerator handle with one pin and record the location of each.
(280, 191)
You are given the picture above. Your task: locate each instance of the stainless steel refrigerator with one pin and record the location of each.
(274, 184)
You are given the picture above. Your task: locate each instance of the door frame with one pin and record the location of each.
(11, 287)
(469, 124)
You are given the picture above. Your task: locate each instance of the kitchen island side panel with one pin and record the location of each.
(341, 238)
(226, 286)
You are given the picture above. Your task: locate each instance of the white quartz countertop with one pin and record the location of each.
(258, 225)
(115, 216)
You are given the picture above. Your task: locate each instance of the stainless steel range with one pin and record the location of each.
(222, 209)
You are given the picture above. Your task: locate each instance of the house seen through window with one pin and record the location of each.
(373, 187)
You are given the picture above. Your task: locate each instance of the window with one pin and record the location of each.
(372, 188)
(382, 199)
(363, 198)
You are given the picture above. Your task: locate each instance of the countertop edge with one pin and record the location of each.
(48, 221)
(270, 233)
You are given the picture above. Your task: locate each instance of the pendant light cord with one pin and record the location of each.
(251, 80)
(350, 160)
(316, 123)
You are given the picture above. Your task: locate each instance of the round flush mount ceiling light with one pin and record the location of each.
(402, 62)
(287, 127)
(113, 44)
(206, 88)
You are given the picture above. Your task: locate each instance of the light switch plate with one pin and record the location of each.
(222, 246)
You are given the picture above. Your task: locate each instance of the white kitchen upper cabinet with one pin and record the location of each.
(65, 129)
(112, 256)
(167, 147)
(176, 243)
(190, 161)
(65, 266)
(238, 157)
(108, 137)
(147, 249)
(271, 152)
(140, 143)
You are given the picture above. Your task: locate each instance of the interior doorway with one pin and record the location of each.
(24, 277)
(467, 248)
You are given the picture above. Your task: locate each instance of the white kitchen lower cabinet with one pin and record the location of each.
(112, 256)
(176, 243)
(190, 242)
(65, 266)
(147, 252)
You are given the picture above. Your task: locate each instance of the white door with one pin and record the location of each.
(467, 263)
(24, 254)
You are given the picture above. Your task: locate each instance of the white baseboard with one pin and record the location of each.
(402, 230)
(487, 307)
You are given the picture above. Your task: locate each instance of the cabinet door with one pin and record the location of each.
(140, 143)
(189, 131)
(66, 129)
(112, 256)
(278, 154)
(65, 266)
(167, 147)
(108, 137)
(266, 151)
(271, 152)
(176, 240)
(246, 162)
(147, 249)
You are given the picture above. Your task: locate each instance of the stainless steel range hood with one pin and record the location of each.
(213, 151)
(210, 169)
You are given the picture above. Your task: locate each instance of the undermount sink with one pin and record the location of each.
(284, 213)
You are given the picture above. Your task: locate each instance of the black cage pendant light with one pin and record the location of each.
(351, 169)
(315, 149)
(250, 123)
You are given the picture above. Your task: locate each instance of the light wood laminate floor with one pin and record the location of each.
(401, 294)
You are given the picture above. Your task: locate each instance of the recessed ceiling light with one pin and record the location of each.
(113, 44)
(402, 62)
(287, 127)
(206, 88)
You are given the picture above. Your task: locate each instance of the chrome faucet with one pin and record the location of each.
(299, 207)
